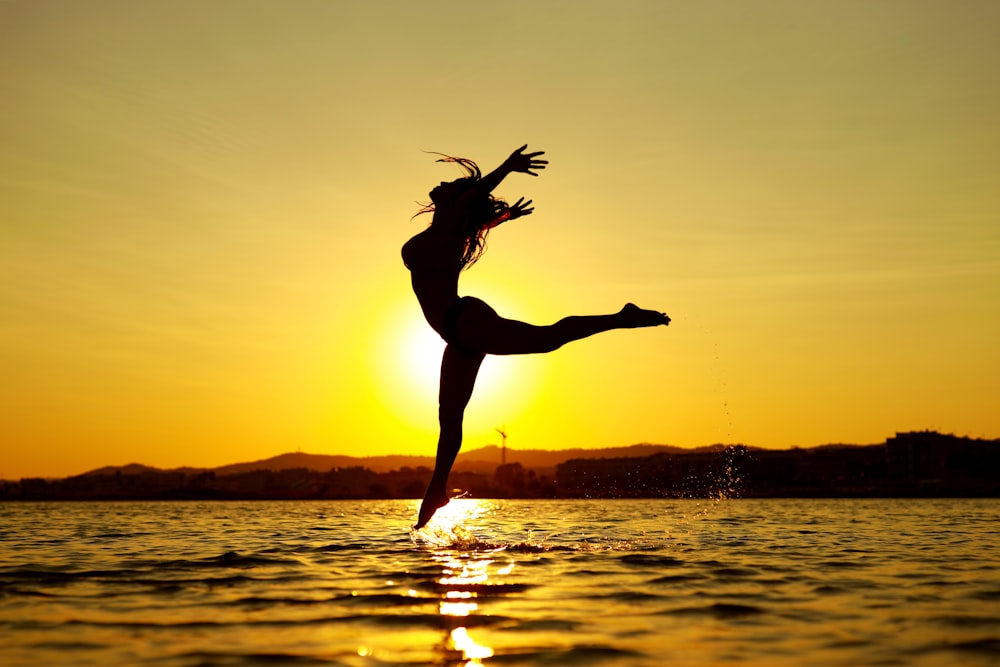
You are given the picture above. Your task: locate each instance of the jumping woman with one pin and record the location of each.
(464, 211)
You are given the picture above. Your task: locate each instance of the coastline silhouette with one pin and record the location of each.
(463, 213)
(913, 464)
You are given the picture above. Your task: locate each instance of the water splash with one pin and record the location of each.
(459, 538)
(449, 536)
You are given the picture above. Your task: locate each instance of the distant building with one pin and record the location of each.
(931, 463)
(920, 457)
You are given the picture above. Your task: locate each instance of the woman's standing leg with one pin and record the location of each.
(459, 368)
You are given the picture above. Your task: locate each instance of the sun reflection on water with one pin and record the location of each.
(471, 651)
(461, 510)
(447, 527)
(464, 573)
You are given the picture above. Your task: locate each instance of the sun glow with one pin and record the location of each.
(406, 357)
(418, 351)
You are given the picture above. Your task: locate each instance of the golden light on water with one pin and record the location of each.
(445, 527)
(506, 569)
(471, 651)
(462, 574)
(459, 572)
(467, 572)
(458, 608)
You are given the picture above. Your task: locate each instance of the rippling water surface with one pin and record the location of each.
(770, 582)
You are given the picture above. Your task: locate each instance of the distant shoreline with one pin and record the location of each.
(922, 464)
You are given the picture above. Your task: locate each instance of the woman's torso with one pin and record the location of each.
(434, 258)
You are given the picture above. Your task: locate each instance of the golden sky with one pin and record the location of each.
(202, 204)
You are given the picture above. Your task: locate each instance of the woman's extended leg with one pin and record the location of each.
(459, 368)
(480, 328)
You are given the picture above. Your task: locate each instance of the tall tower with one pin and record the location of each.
(503, 444)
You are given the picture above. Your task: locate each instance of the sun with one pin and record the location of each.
(417, 350)
(407, 359)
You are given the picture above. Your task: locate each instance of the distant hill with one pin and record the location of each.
(130, 469)
(325, 462)
(482, 460)
(138, 469)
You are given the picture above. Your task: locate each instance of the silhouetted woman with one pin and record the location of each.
(464, 211)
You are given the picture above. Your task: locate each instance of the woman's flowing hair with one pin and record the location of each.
(485, 214)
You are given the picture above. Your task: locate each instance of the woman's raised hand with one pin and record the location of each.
(525, 162)
(520, 208)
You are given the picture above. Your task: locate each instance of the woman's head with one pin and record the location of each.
(448, 192)
(482, 213)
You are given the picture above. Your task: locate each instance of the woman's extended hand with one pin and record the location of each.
(520, 208)
(525, 162)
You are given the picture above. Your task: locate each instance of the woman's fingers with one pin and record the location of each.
(521, 161)
(520, 208)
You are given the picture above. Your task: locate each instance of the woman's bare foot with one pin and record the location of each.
(431, 504)
(633, 317)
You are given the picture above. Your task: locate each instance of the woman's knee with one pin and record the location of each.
(451, 413)
(458, 378)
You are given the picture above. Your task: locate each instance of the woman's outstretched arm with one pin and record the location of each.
(518, 209)
(519, 161)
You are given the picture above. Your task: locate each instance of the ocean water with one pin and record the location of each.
(647, 582)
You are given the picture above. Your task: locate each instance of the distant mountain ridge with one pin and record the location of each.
(484, 459)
